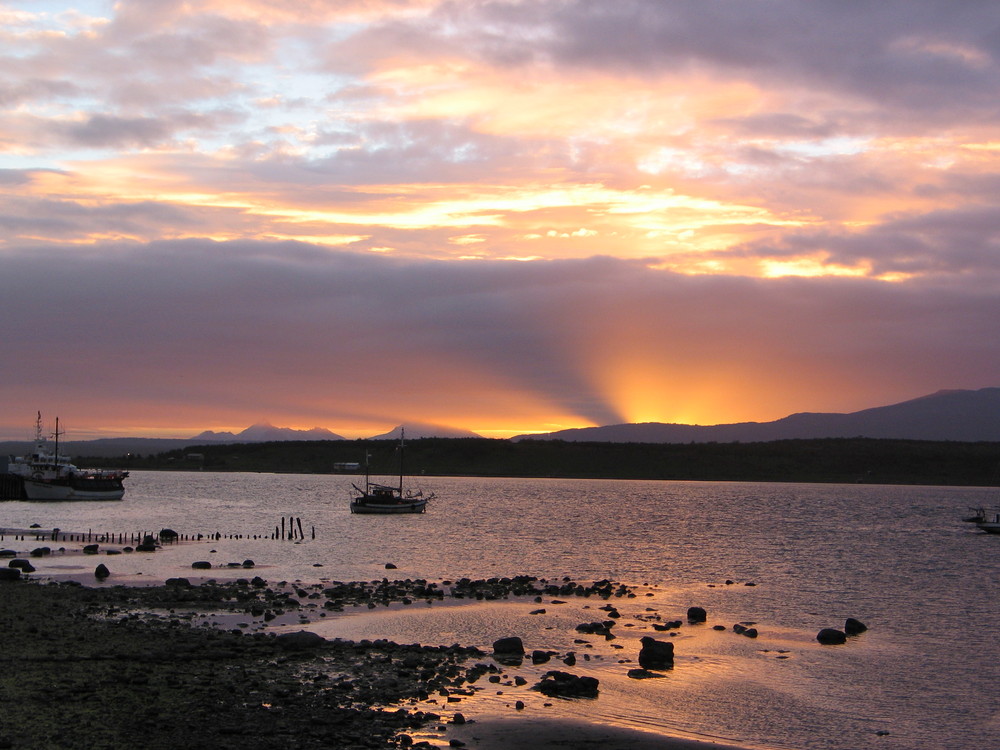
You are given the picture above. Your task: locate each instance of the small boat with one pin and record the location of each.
(988, 525)
(384, 498)
(978, 514)
(47, 475)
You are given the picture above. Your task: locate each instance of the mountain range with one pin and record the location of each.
(958, 415)
(264, 432)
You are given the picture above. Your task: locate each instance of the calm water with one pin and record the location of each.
(897, 558)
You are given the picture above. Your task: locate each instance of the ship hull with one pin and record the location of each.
(61, 490)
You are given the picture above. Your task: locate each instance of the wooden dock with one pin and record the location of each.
(290, 529)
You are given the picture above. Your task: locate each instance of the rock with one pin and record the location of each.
(511, 646)
(540, 657)
(669, 625)
(854, 627)
(566, 685)
(656, 654)
(249, 564)
(168, 535)
(831, 637)
(21, 564)
(10, 574)
(697, 614)
(41, 551)
(91, 549)
(643, 674)
(101, 572)
(596, 628)
(743, 628)
(8, 553)
(458, 719)
(201, 565)
(183, 583)
(390, 566)
(300, 640)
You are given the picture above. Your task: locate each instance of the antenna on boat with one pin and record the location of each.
(56, 436)
(402, 442)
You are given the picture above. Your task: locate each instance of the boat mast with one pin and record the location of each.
(402, 438)
(55, 459)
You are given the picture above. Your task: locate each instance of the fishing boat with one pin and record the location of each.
(47, 475)
(978, 514)
(386, 498)
(990, 526)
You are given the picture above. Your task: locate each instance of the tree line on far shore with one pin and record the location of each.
(843, 460)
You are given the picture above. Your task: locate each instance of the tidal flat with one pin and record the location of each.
(195, 664)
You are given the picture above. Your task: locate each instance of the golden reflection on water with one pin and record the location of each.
(714, 670)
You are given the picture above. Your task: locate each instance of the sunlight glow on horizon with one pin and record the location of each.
(511, 215)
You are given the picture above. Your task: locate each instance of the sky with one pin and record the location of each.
(506, 216)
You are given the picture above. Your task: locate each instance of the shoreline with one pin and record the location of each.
(109, 657)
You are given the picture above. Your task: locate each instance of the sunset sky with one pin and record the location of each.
(504, 216)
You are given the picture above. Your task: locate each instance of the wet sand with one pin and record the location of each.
(86, 664)
(523, 733)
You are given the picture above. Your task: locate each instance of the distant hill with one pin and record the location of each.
(418, 430)
(264, 432)
(959, 415)
(101, 448)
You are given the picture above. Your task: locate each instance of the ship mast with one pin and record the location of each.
(402, 439)
(55, 459)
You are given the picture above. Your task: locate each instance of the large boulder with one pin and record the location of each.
(656, 654)
(854, 627)
(697, 614)
(510, 646)
(101, 572)
(21, 564)
(831, 637)
(566, 685)
(10, 574)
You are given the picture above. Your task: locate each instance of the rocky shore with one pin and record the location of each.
(85, 668)
(107, 667)
(226, 665)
